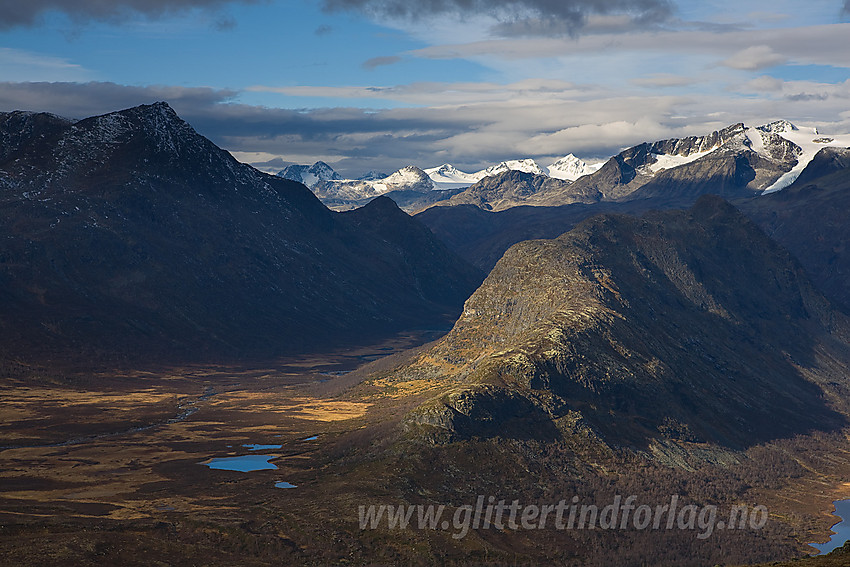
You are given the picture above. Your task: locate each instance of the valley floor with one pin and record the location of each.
(107, 469)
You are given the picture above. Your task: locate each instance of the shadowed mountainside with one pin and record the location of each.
(482, 237)
(131, 233)
(810, 219)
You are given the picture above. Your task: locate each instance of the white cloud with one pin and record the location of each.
(663, 80)
(755, 58)
(764, 84)
(822, 45)
(443, 94)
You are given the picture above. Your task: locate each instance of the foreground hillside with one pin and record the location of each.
(686, 326)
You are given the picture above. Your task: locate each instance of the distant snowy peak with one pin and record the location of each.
(525, 165)
(570, 168)
(323, 171)
(293, 172)
(409, 178)
(449, 174)
(310, 175)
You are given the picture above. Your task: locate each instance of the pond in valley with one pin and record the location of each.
(841, 529)
(246, 463)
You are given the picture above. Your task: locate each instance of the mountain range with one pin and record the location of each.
(344, 194)
(734, 162)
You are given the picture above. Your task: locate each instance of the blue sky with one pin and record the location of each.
(379, 84)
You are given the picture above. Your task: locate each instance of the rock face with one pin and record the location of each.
(131, 233)
(685, 327)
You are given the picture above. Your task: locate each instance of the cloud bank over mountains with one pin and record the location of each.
(523, 119)
(637, 70)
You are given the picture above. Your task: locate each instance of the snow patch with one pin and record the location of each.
(669, 161)
(811, 142)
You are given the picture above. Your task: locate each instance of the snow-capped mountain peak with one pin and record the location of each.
(310, 175)
(807, 141)
(323, 171)
(777, 127)
(571, 168)
(527, 165)
(409, 177)
(448, 175)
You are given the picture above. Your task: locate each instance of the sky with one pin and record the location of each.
(379, 84)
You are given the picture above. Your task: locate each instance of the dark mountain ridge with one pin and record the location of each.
(130, 232)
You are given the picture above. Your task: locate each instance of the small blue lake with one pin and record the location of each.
(841, 529)
(246, 463)
(313, 438)
(283, 484)
(258, 447)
